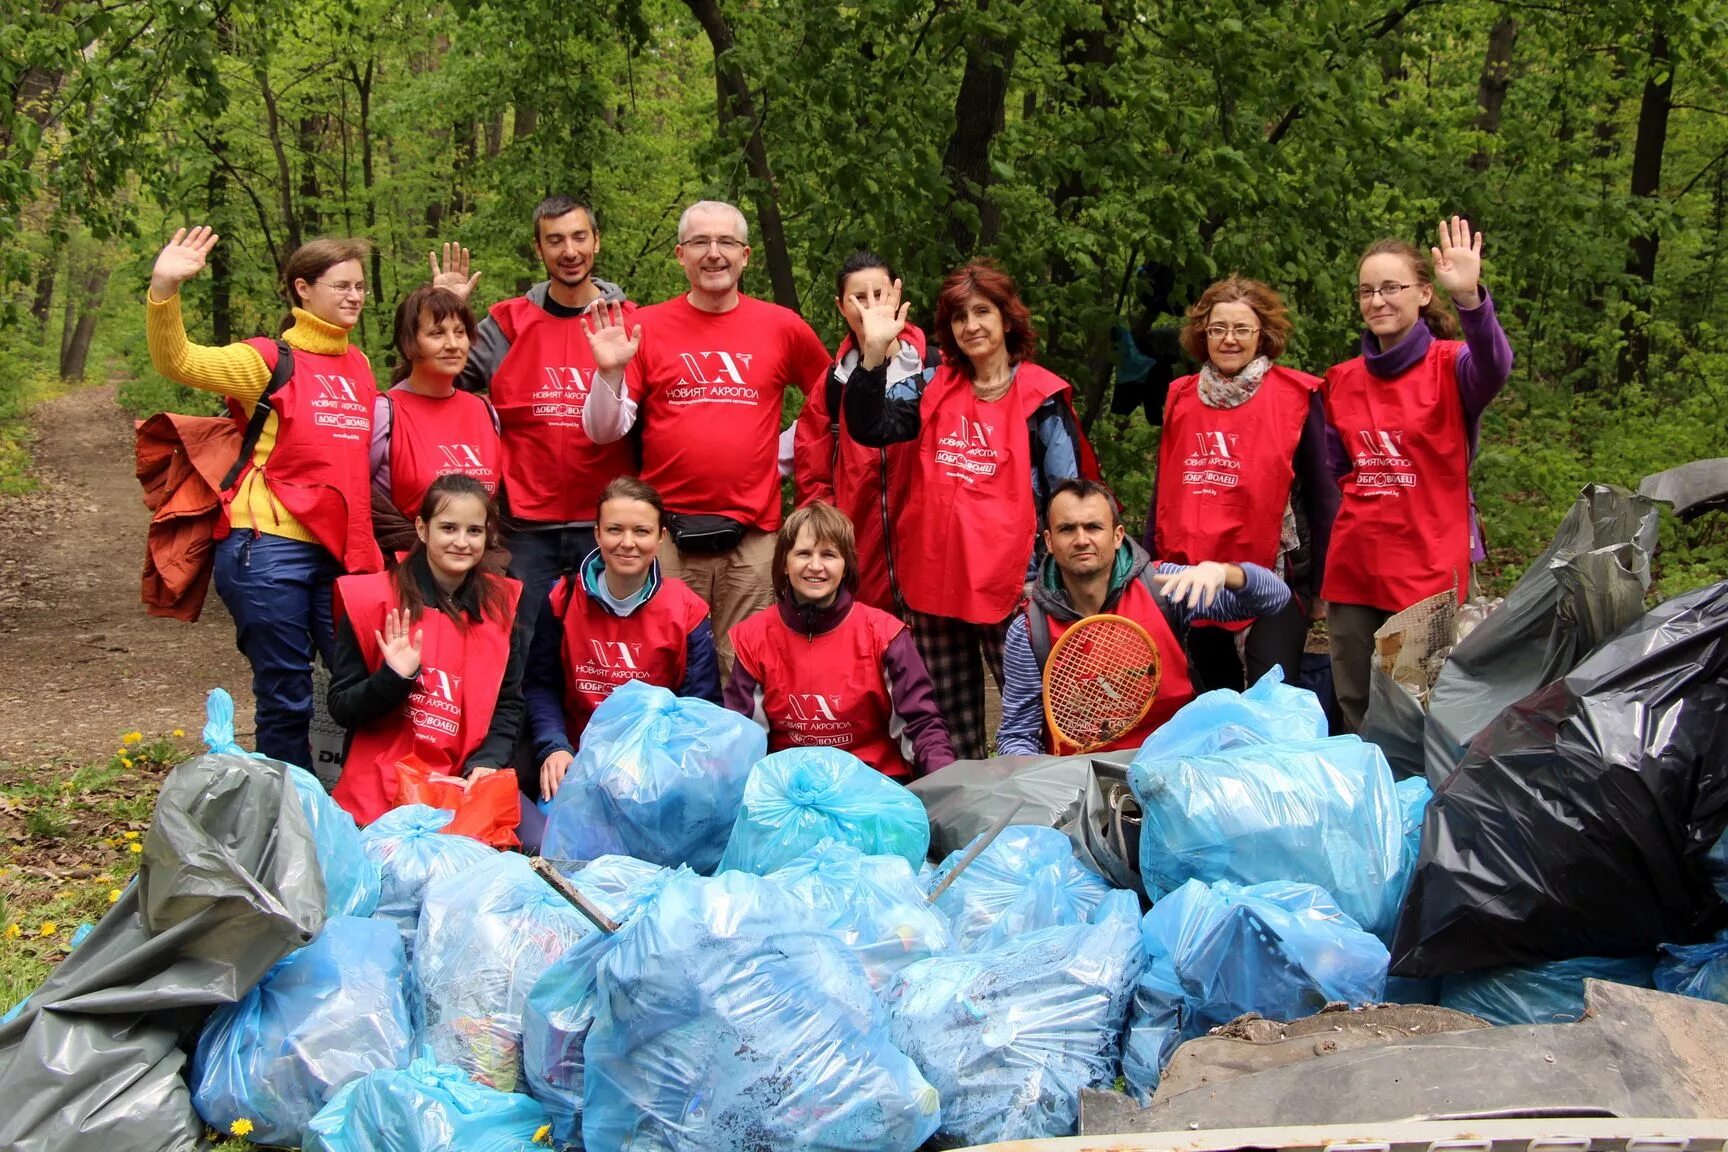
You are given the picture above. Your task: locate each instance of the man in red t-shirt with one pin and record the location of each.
(714, 366)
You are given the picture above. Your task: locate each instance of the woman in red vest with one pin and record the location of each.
(428, 655)
(1242, 474)
(299, 507)
(423, 427)
(1405, 416)
(994, 434)
(820, 668)
(617, 619)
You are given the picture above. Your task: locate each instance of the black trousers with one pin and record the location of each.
(1275, 639)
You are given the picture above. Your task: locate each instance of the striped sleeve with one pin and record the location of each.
(1262, 593)
(1021, 732)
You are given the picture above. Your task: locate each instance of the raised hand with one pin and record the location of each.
(611, 345)
(181, 259)
(400, 643)
(881, 318)
(1195, 586)
(552, 771)
(1458, 262)
(453, 275)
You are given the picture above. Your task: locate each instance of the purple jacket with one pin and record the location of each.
(1482, 368)
(915, 711)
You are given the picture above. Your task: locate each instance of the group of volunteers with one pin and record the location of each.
(623, 466)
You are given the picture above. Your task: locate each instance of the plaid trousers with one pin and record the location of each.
(951, 650)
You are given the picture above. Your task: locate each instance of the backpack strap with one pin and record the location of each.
(1038, 634)
(279, 375)
(833, 397)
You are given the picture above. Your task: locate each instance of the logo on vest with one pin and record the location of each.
(814, 720)
(337, 406)
(609, 664)
(714, 378)
(567, 387)
(615, 654)
(435, 706)
(968, 448)
(1215, 461)
(1380, 460)
(461, 457)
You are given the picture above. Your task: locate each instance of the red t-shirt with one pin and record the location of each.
(713, 386)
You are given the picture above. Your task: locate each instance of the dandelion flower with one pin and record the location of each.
(130, 835)
(543, 1134)
(49, 928)
(179, 732)
(134, 847)
(132, 737)
(13, 931)
(241, 1127)
(113, 895)
(125, 761)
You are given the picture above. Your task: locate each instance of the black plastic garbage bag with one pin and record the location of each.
(1582, 819)
(228, 885)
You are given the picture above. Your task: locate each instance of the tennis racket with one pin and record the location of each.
(1099, 682)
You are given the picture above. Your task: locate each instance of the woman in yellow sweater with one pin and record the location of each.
(300, 514)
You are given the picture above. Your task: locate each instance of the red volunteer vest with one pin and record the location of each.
(1403, 527)
(448, 714)
(827, 691)
(871, 486)
(552, 472)
(320, 467)
(436, 436)
(601, 651)
(970, 513)
(1174, 687)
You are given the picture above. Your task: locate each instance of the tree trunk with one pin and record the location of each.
(1647, 151)
(738, 113)
(978, 117)
(524, 118)
(221, 269)
(43, 300)
(1496, 78)
(76, 351)
(284, 176)
(494, 133)
(467, 148)
(362, 81)
(307, 138)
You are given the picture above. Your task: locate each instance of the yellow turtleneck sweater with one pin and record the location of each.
(238, 371)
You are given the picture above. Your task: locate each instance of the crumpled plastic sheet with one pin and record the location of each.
(1010, 1036)
(1548, 993)
(410, 851)
(618, 884)
(799, 797)
(1216, 952)
(327, 1014)
(729, 1020)
(1028, 878)
(1413, 797)
(874, 904)
(422, 1108)
(1322, 812)
(1269, 712)
(658, 777)
(486, 935)
(1699, 970)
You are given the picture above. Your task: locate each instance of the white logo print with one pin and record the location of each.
(714, 378)
(615, 654)
(460, 457)
(811, 706)
(338, 406)
(433, 707)
(1214, 463)
(1381, 463)
(967, 450)
(1380, 444)
(338, 388)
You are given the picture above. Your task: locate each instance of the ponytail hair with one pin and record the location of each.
(1440, 318)
(483, 591)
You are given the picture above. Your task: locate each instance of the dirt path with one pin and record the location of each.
(80, 662)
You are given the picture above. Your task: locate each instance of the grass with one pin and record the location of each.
(18, 397)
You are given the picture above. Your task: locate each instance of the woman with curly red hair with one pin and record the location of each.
(995, 433)
(1242, 476)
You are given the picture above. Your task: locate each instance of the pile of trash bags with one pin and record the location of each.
(795, 799)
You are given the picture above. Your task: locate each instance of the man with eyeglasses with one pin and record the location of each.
(531, 356)
(714, 366)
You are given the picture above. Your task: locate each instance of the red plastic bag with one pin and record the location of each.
(487, 810)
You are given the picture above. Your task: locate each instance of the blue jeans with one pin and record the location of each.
(278, 591)
(538, 558)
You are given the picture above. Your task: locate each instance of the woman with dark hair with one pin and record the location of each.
(1405, 417)
(820, 668)
(428, 656)
(1242, 477)
(614, 620)
(994, 434)
(299, 504)
(423, 427)
(867, 484)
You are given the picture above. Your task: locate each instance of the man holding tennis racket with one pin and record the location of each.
(1095, 661)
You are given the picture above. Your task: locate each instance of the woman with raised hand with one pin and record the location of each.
(1242, 477)
(615, 619)
(428, 656)
(994, 434)
(299, 514)
(821, 668)
(1405, 417)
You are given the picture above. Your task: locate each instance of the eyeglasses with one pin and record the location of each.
(1387, 291)
(344, 289)
(703, 243)
(1238, 331)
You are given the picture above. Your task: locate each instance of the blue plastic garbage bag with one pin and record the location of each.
(1270, 712)
(1548, 993)
(410, 851)
(1699, 970)
(427, 1107)
(1010, 1036)
(728, 1019)
(1413, 796)
(1215, 952)
(1321, 812)
(797, 798)
(658, 777)
(486, 935)
(350, 878)
(1028, 878)
(874, 904)
(327, 1014)
(619, 883)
